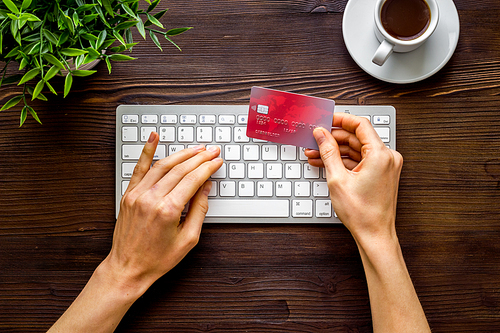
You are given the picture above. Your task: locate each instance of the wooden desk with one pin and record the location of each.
(57, 180)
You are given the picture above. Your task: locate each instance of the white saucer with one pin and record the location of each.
(358, 29)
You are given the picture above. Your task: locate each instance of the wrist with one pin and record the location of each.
(125, 288)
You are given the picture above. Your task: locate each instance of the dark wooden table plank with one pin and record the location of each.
(57, 185)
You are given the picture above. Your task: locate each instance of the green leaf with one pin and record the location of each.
(24, 114)
(141, 29)
(127, 9)
(33, 114)
(119, 37)
(82, 72)
(13, 52)
(76, 20)
(171, 41)
(12, 102)
(85, 7)
(122, 48)
(53, 60)
(120, 57)
(177, 31)
(25, 4)
(154, 21)
(67, 84)
(51, 88)
(88, 36)
(107, 6)
(40, 96)
(29, 17)
(63, 38)
(108, 63)
(155, 39)
(30, 75)
(102, 37)
(72, 52)
(125, 25)
(23, 63)
(51, 73)
(153, 5)
(50, 36)
(12, 7)
(10, 79)
(38, 89)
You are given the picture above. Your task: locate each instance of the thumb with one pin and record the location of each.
(198, 208)
(329, 151)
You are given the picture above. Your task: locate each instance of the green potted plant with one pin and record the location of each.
(45, 38)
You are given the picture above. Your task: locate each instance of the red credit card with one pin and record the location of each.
(287, 118)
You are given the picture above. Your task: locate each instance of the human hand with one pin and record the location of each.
(149, 239)
(362, 175)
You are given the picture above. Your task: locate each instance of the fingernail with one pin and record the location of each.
(199, 148)
(319, 135)
(152, 137)
(214, 149)
(207, 188)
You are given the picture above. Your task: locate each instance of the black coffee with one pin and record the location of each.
(405, 19)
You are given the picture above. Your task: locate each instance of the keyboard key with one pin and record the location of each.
(251, 152)
(172, 149)
(167, 134)
(246, 189)
(149, 118)
(207, 119)
(204, 134)
(383, 132)
(132, 152)
(240, 134)
(188, 119)
(265, 189)
(242, 119)
(146, 132)
(232, 152)
(381, 120)
(227, 188)
(283, 189)
(274, 170)
(320, 189)
(269, 152)
(185, 134)
(255, 170)
(129, 134)
(302, 208)
(223, 134)
(220, 148)
(237, 170)
(213, 189)
(220, 173)
(125, 185)
(288, 153)
(248, 208)
(310, 172)
(168, 118)
(226, 119)
(302, 155)
(323, 208)
(130, 119)
(128, 169)
(302, 189)
(292, 170)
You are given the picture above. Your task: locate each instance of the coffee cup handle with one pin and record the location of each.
(383, 52)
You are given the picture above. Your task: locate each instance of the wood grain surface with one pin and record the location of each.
(57, 180)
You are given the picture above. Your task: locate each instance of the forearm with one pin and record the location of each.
(394, 303)
(101, 304)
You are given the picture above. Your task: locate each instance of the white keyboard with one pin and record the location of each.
(259, 182)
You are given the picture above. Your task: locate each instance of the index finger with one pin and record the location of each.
(360, 126)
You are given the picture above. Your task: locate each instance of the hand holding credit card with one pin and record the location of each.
(287, 118)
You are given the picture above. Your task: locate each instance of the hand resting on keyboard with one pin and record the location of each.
(149, 239)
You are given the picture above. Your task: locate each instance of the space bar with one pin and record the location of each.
(248, 208)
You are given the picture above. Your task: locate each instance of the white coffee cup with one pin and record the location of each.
(390, 44)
